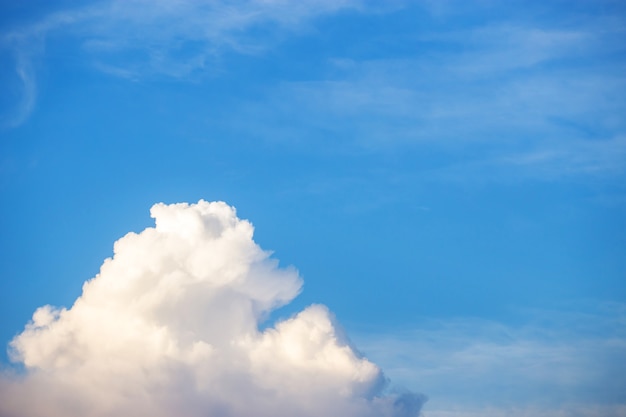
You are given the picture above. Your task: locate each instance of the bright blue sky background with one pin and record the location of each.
(449, 177)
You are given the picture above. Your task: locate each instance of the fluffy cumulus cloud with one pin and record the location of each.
(170, 327)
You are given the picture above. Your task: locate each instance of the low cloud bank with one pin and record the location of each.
(169, 327)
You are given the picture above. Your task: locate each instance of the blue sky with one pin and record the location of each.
(448, 177)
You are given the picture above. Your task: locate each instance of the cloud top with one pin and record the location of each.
(170, 327)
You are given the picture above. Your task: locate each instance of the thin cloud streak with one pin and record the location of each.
(577, 411)
(28, 93)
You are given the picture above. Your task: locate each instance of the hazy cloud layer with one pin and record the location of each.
(569, 363)
(170, 327)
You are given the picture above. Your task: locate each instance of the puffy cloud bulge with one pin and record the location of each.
(170, 327)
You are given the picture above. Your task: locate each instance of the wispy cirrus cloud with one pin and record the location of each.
(542, 96)
(24, 91)
(138, 38)
(555, 363)
(546, 99)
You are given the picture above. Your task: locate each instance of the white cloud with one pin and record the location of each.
(170, 327)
